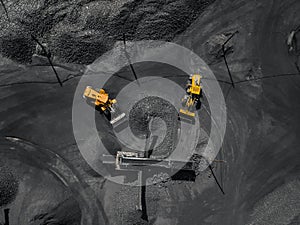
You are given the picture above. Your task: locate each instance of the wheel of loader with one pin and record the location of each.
(201, 94)
(198, 104)
(107, 114)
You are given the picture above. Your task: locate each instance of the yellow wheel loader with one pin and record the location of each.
(104, 104)
(191, 100)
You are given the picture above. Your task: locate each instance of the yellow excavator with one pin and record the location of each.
(191, 100)
(104, 104)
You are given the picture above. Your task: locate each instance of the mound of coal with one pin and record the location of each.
(134, 218)
(68, 213)
(9, 186)
(80, 31)
(162, 19)
(150, 107)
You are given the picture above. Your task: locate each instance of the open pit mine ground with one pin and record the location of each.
(45, 179)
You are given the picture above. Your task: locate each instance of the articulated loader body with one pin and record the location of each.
(103, 103)
(191, 101)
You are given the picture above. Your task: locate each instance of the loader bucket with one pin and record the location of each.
(118, 119)
(187, 116)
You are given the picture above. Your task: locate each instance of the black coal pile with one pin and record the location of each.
(163, 179)
(160, 19)
(151, 107)
(80, 31)
(134, 218)
(213, 47)
(9, 186)
(67, 213)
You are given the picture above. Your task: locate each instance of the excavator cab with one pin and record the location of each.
(191, 100)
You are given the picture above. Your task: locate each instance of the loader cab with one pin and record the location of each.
(195, 87)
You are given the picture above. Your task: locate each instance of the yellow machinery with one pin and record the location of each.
(103, 103)
(191, 101)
